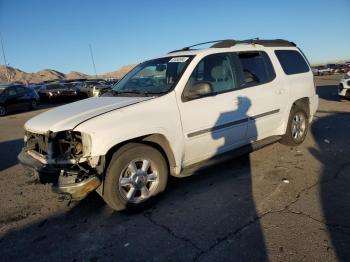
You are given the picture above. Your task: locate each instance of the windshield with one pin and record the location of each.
(2, 89)
(156, 76)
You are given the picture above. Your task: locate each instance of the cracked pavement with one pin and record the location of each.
(276, 204)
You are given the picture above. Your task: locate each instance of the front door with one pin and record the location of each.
(215, 122)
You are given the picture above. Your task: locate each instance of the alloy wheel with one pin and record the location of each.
(298, 126)
(138, 181)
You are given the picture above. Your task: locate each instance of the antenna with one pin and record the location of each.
(3, 54)
(93, 61)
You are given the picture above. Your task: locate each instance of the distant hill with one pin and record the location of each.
(118, 73)
(17, 75)
(76, 75)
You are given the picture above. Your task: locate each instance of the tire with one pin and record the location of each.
(33, 104)
(3, 111)
(297, 128)
(125, 181)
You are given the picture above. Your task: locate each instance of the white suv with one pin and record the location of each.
(172, 115)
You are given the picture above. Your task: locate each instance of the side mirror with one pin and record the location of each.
(198, 89)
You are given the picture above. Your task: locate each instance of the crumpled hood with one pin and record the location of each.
(69, 116)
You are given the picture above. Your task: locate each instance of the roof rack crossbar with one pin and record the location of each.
(189, 47)
(231, 42)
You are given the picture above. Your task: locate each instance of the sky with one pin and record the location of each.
(51, 34)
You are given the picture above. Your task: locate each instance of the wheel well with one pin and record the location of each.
(303, 103)
(157, 141)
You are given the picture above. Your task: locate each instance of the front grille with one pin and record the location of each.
(37, 143)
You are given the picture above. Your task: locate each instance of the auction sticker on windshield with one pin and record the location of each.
(179, 59)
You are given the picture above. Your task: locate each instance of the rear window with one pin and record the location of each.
(292, 62)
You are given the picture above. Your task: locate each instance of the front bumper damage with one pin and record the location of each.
(65, 179)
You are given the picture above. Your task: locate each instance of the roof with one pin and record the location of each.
(231, 43)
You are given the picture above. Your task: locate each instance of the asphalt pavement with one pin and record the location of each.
(276, 204)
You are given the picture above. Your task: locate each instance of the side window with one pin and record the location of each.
(256, 67)
(20, 90)
(292, 62)
(11, 92)
(216, 70)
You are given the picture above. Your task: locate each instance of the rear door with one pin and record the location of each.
(266, 94)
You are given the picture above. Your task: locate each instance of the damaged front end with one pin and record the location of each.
(63, 159)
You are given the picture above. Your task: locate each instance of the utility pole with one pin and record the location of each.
(93, 61)
(3, 54)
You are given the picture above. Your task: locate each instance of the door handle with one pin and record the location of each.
(280, 91)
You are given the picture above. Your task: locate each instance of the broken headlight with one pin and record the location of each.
(71, 144)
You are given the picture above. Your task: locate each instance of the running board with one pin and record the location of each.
(229, 155)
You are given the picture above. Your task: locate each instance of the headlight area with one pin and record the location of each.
(80, 177)
(63, 160)
(68, 145)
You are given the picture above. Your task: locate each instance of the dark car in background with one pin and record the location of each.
(59, 92)
(16, 98)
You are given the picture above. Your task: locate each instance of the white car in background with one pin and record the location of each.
(344, 86)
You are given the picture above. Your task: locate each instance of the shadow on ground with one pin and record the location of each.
(8, 153)
(328, 92)
(334, 148)
(192, 217)
(195, 218)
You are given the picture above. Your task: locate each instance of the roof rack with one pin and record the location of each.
(230, 42)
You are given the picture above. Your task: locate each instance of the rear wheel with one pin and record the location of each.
(2, 111)
(135, 175)
(298, 125)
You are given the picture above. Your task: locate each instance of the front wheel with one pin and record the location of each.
(298, 126)
(2, 110)
(136, 173)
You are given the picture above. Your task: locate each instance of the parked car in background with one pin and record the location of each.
(346, 68)
(16, 98)
(36, 87)
(315, 71)
(323, 70)
(344, 86)
(93, 88)
(335, 68)
(58, 92)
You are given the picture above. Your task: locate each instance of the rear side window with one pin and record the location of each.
(292, 62)
(257, 68)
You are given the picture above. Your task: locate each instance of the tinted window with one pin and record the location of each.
(11, 91)
(292, 62)
(257, 68)
(20, 89)
(217, 70)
